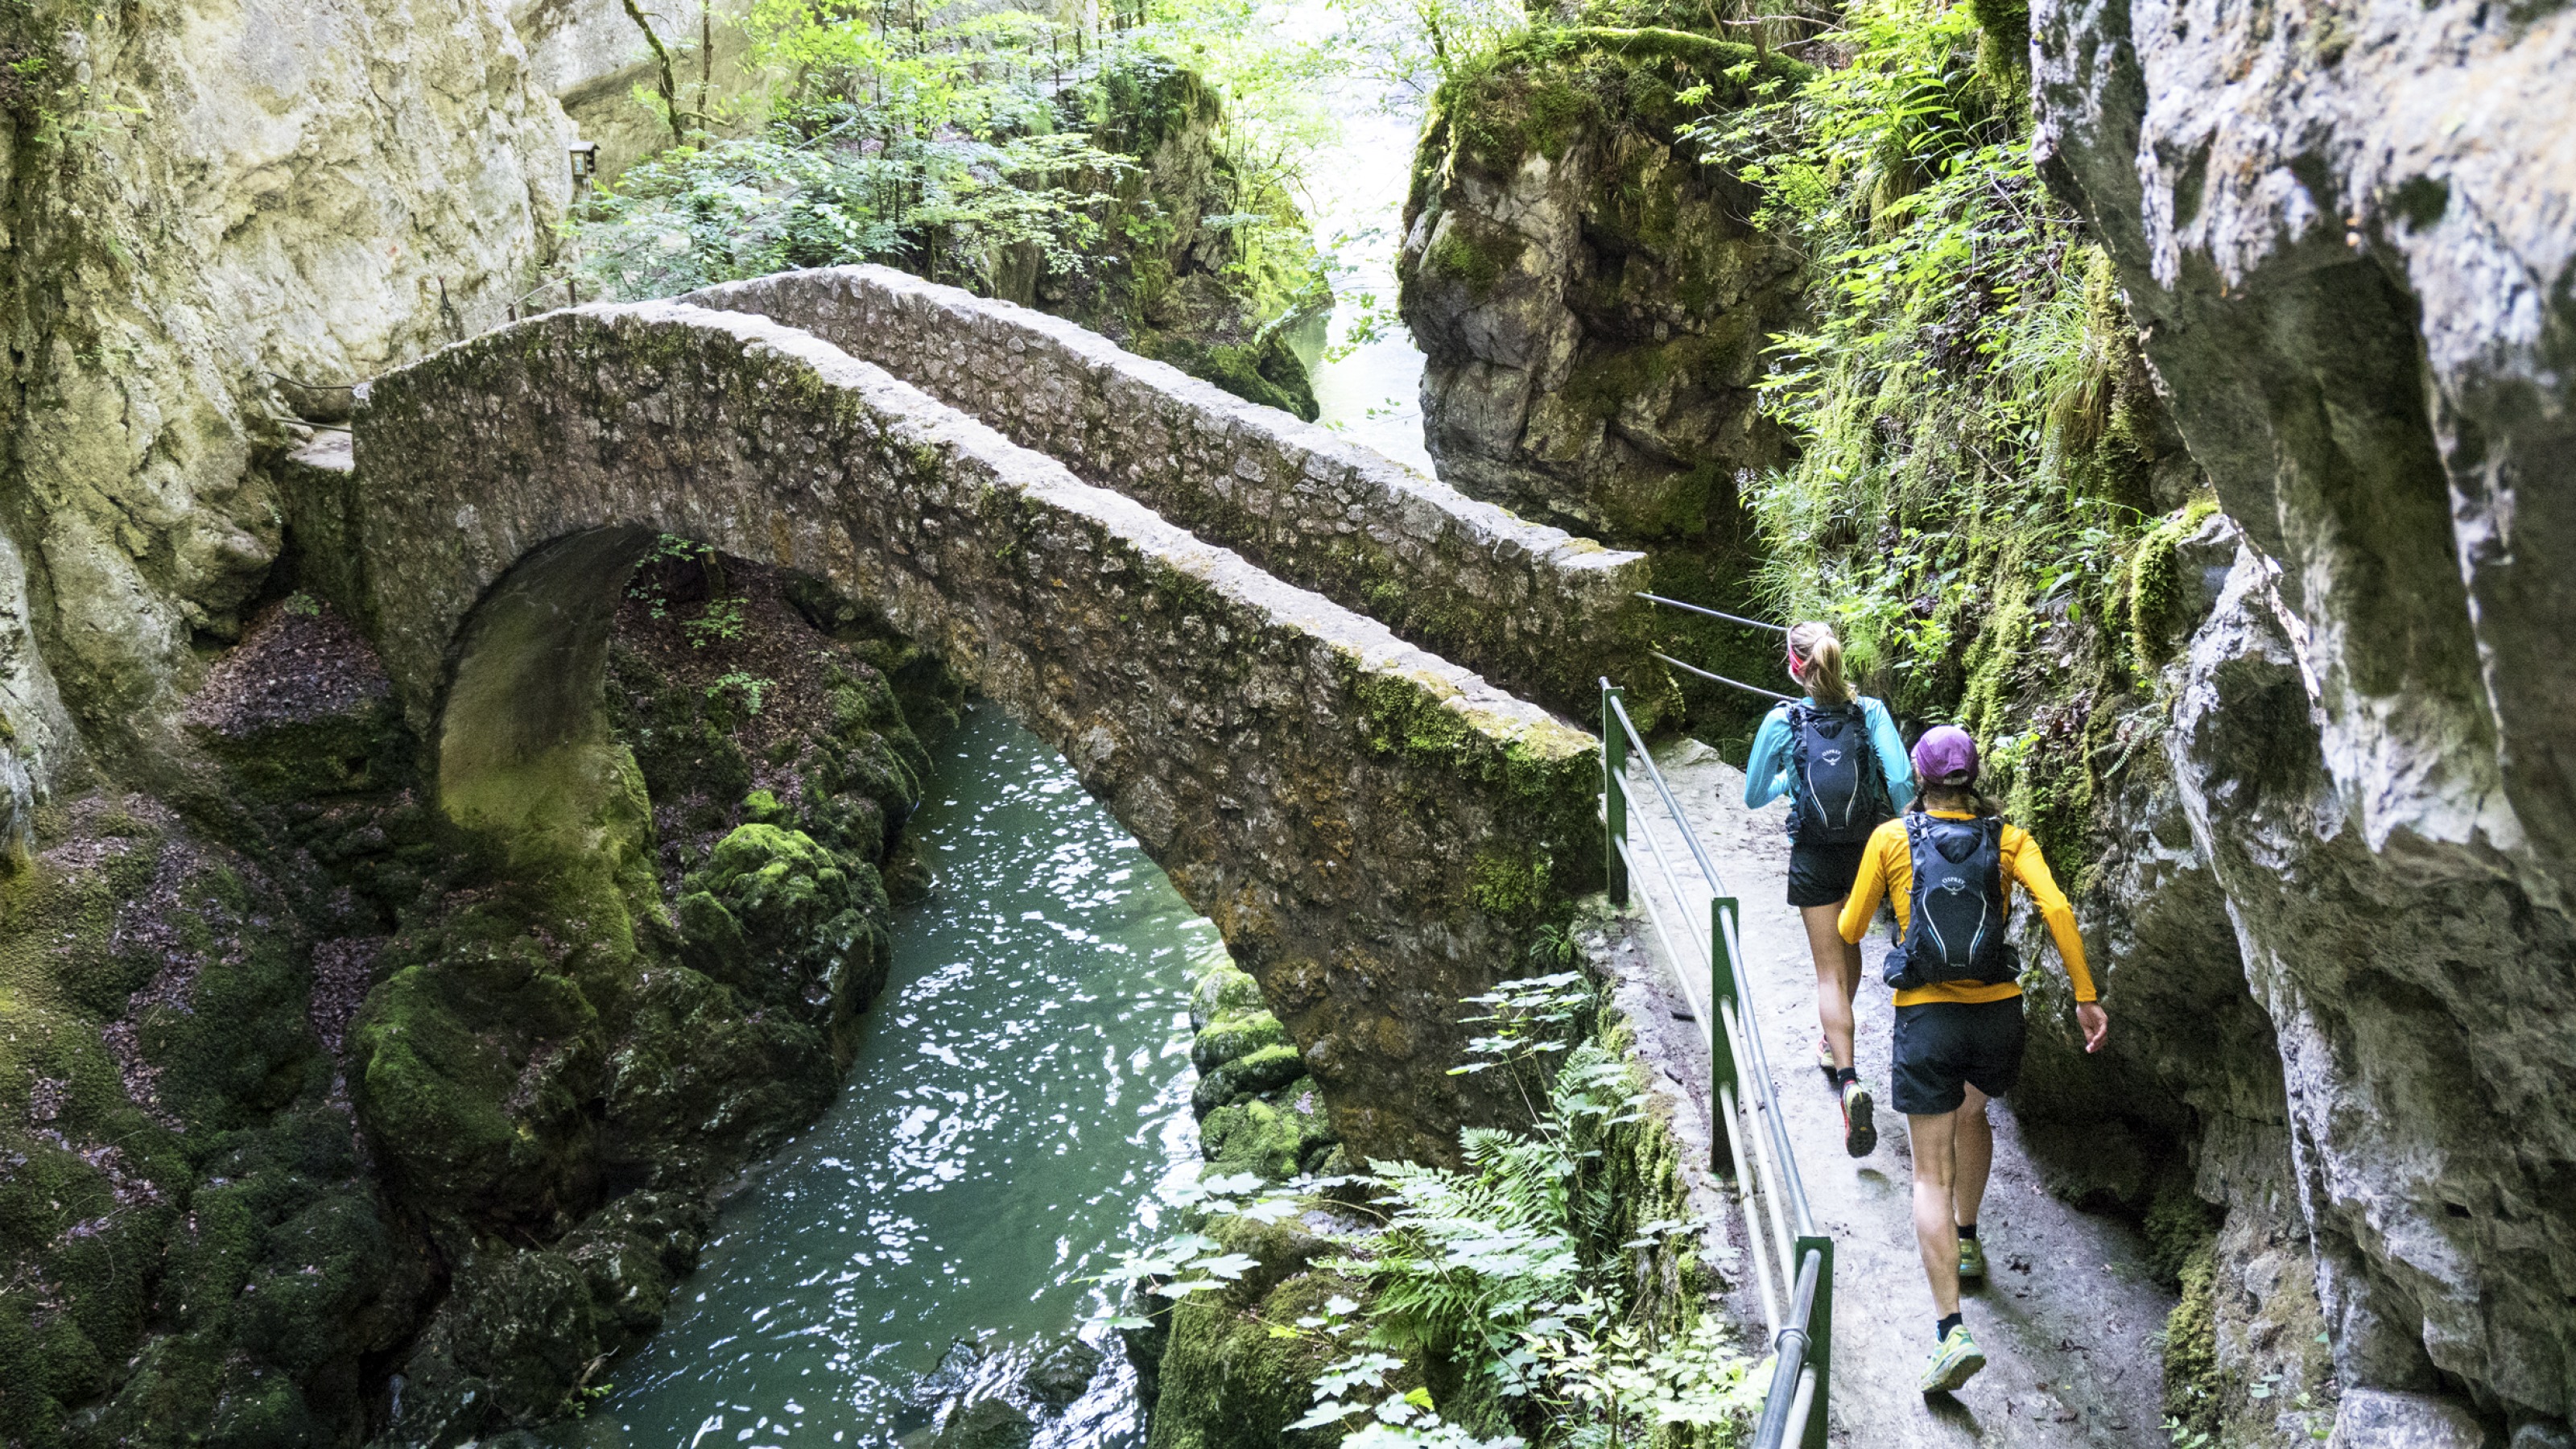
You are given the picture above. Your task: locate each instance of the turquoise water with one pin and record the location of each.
(1022, 1090)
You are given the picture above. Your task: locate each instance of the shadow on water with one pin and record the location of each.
(1022, 1089)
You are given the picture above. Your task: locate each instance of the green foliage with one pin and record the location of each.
(1975, 430)
(2191, 1353)
(752, 687)
(1513, 1288)
(1412, 47)
(944, 207)
(1014, 152)
(1515, 1269)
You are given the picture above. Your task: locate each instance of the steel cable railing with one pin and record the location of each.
(1793, 1262)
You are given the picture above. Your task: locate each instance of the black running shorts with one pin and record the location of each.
(1821, 875)
(1942, 1047)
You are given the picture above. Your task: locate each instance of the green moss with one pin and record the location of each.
(1549, 87)
(1275, 1137)
(472, 1072)
(2155, 583)
(1474, 254)
(794, 927)
(1228, 1382)
(1265, 370)
(1510, 882)
(1235, 1036)
(2179, 1226)
(697, 1084)
(1221, 992)
(2003, 43)
(1406, 716)
(2192, 1380)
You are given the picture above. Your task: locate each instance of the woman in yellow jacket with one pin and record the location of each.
(1949, 863)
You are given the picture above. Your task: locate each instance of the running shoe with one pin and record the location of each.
(1825, 1060)
(1954, 1363)
(1860, 1135)
(1972, 1260)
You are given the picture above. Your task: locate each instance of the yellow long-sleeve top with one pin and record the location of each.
(1887, 868)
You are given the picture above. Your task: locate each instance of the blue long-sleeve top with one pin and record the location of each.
(1766, 770)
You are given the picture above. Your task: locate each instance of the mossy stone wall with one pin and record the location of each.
(1317, 787)
(1528, 605)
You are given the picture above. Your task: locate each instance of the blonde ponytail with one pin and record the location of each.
(1819, 659)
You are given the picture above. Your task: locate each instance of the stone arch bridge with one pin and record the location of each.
(1316, 686)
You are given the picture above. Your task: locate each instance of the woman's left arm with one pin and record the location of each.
(1889, 746)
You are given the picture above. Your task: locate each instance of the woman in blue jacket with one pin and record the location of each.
(1839, 759)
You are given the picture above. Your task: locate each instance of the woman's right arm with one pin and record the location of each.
(1766, 770)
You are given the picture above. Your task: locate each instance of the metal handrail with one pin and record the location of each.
(1746, 1106)
(1712, 613)
(1722, 679)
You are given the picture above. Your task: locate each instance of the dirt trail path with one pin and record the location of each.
(2069, 1318)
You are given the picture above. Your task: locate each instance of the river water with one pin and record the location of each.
(1355, 187)
(1022, 1090)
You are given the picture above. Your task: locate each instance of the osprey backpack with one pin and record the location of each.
(1836, 795)
(1956, 913)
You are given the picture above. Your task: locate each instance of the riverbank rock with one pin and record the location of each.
(986, 1424)
(789, 924)
(1259, 1111)
(1063, 1374)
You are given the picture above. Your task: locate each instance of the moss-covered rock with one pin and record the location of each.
(1276, 1136)
(789, 924)
(189, 1250)
(473, 1072)
(1226, 1381)
(1593, 304)
(1179, 280)
(1235, 1036)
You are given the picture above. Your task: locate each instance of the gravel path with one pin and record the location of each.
(2068, 1322)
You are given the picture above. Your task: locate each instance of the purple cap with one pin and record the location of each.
(1946, 755)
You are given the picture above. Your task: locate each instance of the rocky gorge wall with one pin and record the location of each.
(1593, 303)
(204, 203)
(1540, 612)
(215, 218)
(2300, 759)
(2344, 237)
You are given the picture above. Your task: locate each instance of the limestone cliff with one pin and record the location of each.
(208, 206)
(2344, 234)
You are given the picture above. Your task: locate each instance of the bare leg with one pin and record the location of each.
(1972, 1154)
(1935, 1235)
(1837, 975)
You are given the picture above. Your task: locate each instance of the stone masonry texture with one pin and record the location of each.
(1539, 611)
(1374, 830)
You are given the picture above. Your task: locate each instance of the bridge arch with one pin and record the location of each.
(1374, 830)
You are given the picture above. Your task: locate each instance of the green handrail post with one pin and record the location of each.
(1820, 1337)
(1614, 800)
(1721, 1066)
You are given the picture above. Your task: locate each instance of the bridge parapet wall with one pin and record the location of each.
(1375, 831)
(1532, 607)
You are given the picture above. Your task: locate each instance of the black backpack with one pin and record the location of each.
(1836, 794)
(1955, 921)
